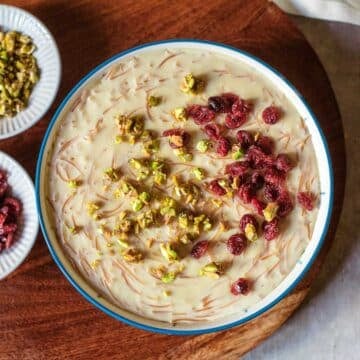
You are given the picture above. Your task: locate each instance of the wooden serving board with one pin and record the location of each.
(41, 315)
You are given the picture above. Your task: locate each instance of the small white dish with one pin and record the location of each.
(48, 58)
(22, 188)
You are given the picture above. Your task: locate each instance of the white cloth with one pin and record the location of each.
(336, 10)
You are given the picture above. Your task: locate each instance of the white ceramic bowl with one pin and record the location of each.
(47, 55)
(306, 259)
(22, 188)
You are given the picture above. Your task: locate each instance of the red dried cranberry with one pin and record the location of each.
(212, 131)
(229, 99)
(241, 106)
(271, 229)
(199, 249)
(274, 177)
(271, 115)
(306, 200)
(258, 205)
(285, 204)
(248, 219)
(216, 104)
(283, 163)
(216, 188)
(240, 286)
(223, 146)
(271, 193)
(245, 139)
(200, 114)
(178, 137)
(236, 244)
(14, 204)
(258, 159)
(257, 180)
(3, 183)
(266, 144)
(246, 193)
(8, 228)
(234, 121)
(237, 168)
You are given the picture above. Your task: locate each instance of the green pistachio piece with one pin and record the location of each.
(168, 252)
(203, 146)
(132, 255)
(151, 146)
(168, 277)
(213, 270)
(153, 101)
(198, 173)
(238, 154)
(192, 85)
(144, 197)
(137, 204)
(270, 211)
(250, 232)
(179, 114)
(112, 174)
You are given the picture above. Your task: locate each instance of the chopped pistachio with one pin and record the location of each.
(112, 174)
(238, 154)
(179, 114)
(185, 238)
(183, 155)
(151, 146)
(146, 219)
(167, 293)
(92, 208)
(123, 243)
(217, 202)
(141, 167)
(203, 146)
(213, 270)
(158, 272)
(192, 85)
(207, 225)
(124, 188)
(183, 220)
(250, 232)
(270, 211)
(124, 225)
(153, 101)
(130, 127)
(159, 177)
(168, 207)
(73, 229)
(156, 165)
(95, 264)
(137, 204)
(168, 277)
(132, 255)
(144, 197)
(118, 139)
(198, 173)
(168, 252)
(73, 184)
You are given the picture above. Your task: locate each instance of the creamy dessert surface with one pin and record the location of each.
(84, 146)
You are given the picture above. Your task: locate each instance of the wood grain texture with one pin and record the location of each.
(41, 315)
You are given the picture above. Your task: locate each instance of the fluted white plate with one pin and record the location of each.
(48, 59)
(22, 188)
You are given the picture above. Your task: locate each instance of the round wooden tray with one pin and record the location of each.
(41, 315)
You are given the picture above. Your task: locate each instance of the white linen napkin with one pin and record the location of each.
(336, 10)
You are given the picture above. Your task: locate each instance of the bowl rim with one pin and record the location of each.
(140, 325)
(48, 33)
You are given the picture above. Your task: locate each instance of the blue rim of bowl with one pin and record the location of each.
(58, 59)
(138, 324)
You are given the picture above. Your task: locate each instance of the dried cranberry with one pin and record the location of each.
(241, 106)
(223, 146)
(283, 163)
(234, 121)
(199, 249)
(240, 286)
(258, 159)
(3, 183)
(246, 192)
(200, 114)
(14, 204)
(274, 177)
(271, 115)
(8, 228)
(266, 144)
(245, 139)
(306, 200)
(258, 205)
(212, 131)
(216, 104)
(237, 168)
(271, 229)
(229, 99)
(236, 244)
(216, 188)
(271, 193)
(257, 180)
(285, 204)
(178, 137)
(248, 219)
